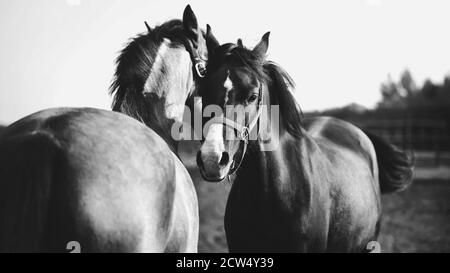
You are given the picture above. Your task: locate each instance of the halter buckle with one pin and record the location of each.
(245, 134)
(200, 68)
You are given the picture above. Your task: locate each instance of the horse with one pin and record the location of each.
(100, 180)
(158, 75)
(316, 187)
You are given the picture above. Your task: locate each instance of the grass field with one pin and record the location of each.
(417, 220)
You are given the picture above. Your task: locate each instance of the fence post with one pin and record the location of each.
(436, 145)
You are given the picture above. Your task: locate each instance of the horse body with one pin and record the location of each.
(310, 199)
(317, 189)
(96, 177)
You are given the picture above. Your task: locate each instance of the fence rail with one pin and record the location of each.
(420, 131)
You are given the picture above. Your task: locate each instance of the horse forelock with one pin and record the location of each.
(235, 56)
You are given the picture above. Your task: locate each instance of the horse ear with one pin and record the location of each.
(239, 43)
(149, 29)
(190, 25)
(211, 41)
(261, 48)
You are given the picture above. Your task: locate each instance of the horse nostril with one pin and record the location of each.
(224, 159)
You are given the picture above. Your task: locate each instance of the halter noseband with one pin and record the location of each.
(243, 130)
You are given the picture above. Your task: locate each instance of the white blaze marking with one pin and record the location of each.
(228, 84)
(213, 146)
(156, 67)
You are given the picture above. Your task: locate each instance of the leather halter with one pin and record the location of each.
(243, 131)
(199, 63)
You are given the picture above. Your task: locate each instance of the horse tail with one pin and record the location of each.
(395, 167)
(27, 172)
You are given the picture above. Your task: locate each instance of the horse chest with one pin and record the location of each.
(265, 223)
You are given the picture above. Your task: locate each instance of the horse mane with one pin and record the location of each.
(134, 65)
(282, 83)
(279, 81)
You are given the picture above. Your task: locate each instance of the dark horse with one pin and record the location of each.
(318, 188)
(101, 178)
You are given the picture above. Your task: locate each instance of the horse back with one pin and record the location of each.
(342, 135)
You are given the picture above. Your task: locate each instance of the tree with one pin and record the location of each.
(406, 94)
(391, 96)
(407, 83)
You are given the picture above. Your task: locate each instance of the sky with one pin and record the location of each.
(61, 52)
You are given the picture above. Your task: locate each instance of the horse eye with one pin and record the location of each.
(253, 97)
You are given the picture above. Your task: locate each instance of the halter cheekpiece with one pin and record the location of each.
(198, 63)
(243, 131)
(200, 67)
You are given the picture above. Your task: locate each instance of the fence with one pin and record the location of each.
(425, 131)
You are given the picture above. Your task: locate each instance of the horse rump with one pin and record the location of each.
(395, 167)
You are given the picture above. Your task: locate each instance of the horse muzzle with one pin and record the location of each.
(214, 166)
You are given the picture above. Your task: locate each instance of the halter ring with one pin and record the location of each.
(200, 68)
(244, 134)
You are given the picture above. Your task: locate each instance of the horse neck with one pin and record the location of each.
(278, 171)
(271, 181)
(166, 93)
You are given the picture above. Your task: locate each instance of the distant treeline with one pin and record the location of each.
(406, 94)
(400, 99)
(407, 115)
